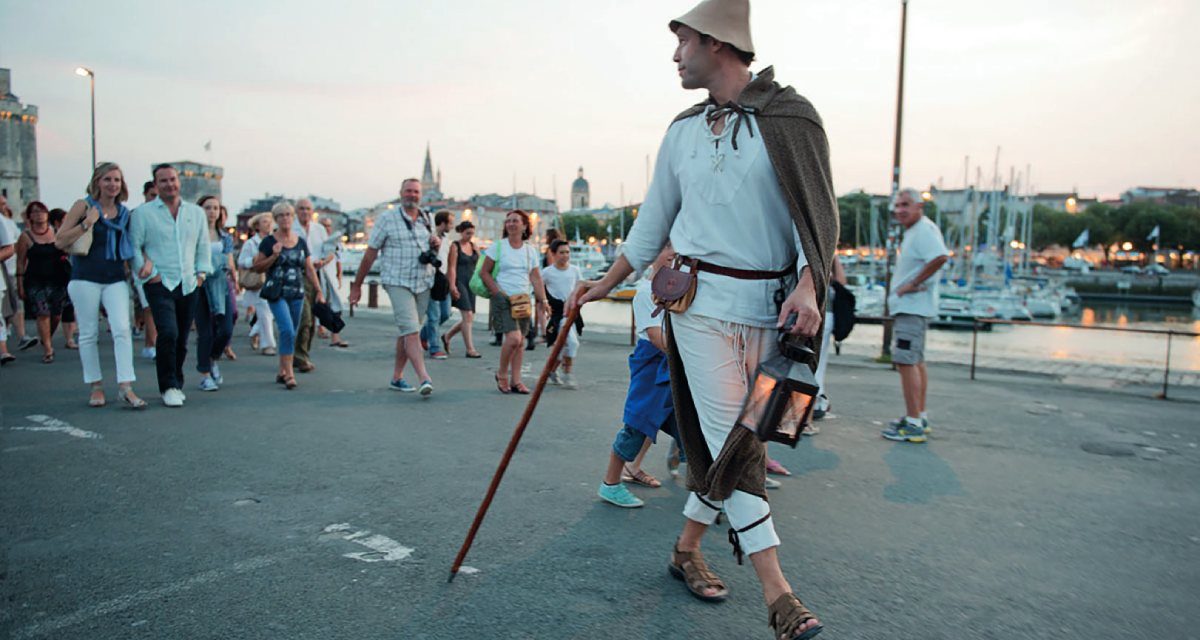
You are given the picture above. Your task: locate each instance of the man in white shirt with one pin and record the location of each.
(438, 311)
(742, 185)
(912, 303)
(314, 235)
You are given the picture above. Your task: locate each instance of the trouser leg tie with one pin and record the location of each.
(733, 536)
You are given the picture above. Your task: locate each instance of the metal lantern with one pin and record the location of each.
(781, 397)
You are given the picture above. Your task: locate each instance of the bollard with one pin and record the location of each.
(372, 295)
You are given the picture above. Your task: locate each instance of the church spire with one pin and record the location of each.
(427, 173)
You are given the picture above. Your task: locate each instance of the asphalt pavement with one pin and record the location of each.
(1037, 510)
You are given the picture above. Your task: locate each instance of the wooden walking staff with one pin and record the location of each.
(512, 443)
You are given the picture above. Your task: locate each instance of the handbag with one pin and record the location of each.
(476, 284)
(441, 286)
(250, 280)
(673, 288)
(520, 306)
(327, 317)
(272, 288)
(82, 244)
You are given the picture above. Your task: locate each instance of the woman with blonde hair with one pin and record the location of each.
(98, 279)
(285, 258)
(214, 317)
(263, 333)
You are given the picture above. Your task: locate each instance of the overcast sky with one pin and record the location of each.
(339, 99)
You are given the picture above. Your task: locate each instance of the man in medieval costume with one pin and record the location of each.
(741, 186)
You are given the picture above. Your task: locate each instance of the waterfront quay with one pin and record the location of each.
(1036, 510)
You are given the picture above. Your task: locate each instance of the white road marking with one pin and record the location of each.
(382, 548)
(148, 595)
(467, 571)
(46, 423)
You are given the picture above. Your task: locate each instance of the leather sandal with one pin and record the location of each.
(787, 614)
(290, 383)
(690, 567)
(96, 399)
(639, 477)
(505, 389)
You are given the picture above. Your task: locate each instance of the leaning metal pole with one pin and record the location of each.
(512, 443)
(893, 231)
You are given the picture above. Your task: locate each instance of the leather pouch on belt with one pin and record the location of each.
(673, 288)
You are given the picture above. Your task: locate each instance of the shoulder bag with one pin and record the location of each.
(477, 286)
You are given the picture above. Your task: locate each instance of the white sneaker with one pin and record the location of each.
(772, 483)
(216, 374)
(149, 352)
(568, 381)
(173, 398)
(553, 378)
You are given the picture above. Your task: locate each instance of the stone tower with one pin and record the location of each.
(18, 148)
(431, 186)
(580, 193)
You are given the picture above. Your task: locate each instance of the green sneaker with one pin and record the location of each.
(894, 424)
(619, 495)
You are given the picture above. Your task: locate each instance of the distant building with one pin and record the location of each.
(197, 180)
(1068, 202)
(18, 148)
(431, 186)
(488, 212)
(1182, 197)
(580, 193)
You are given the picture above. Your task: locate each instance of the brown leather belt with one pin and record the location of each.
(744, 274)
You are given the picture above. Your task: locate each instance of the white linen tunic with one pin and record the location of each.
(722, 206)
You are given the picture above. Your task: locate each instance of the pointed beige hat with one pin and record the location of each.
(725, 20)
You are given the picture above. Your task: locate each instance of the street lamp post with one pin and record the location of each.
(893, 230)
(91, 76)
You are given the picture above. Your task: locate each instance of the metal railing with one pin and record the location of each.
(1170, 333)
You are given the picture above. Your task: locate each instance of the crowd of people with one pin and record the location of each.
(168, 267)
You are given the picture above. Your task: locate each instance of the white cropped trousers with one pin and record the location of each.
(720, 358)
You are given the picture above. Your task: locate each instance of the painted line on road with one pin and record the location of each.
(46, 423)
(382, 548)
(141, 597)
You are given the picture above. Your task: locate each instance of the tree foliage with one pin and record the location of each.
(1179, 226)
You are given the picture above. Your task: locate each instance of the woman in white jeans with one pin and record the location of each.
(98, 278)
(264, 325)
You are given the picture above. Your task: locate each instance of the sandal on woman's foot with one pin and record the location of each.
(290, 383)
(281, 379)
(639, 477)
(48, 358)
(229, 354)
(474, 354)
(132, 401)
(96, 400)
(505, 389)
(74, 346)
(787, 615)
(521, 389)
(689, 566)
(446, 344)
